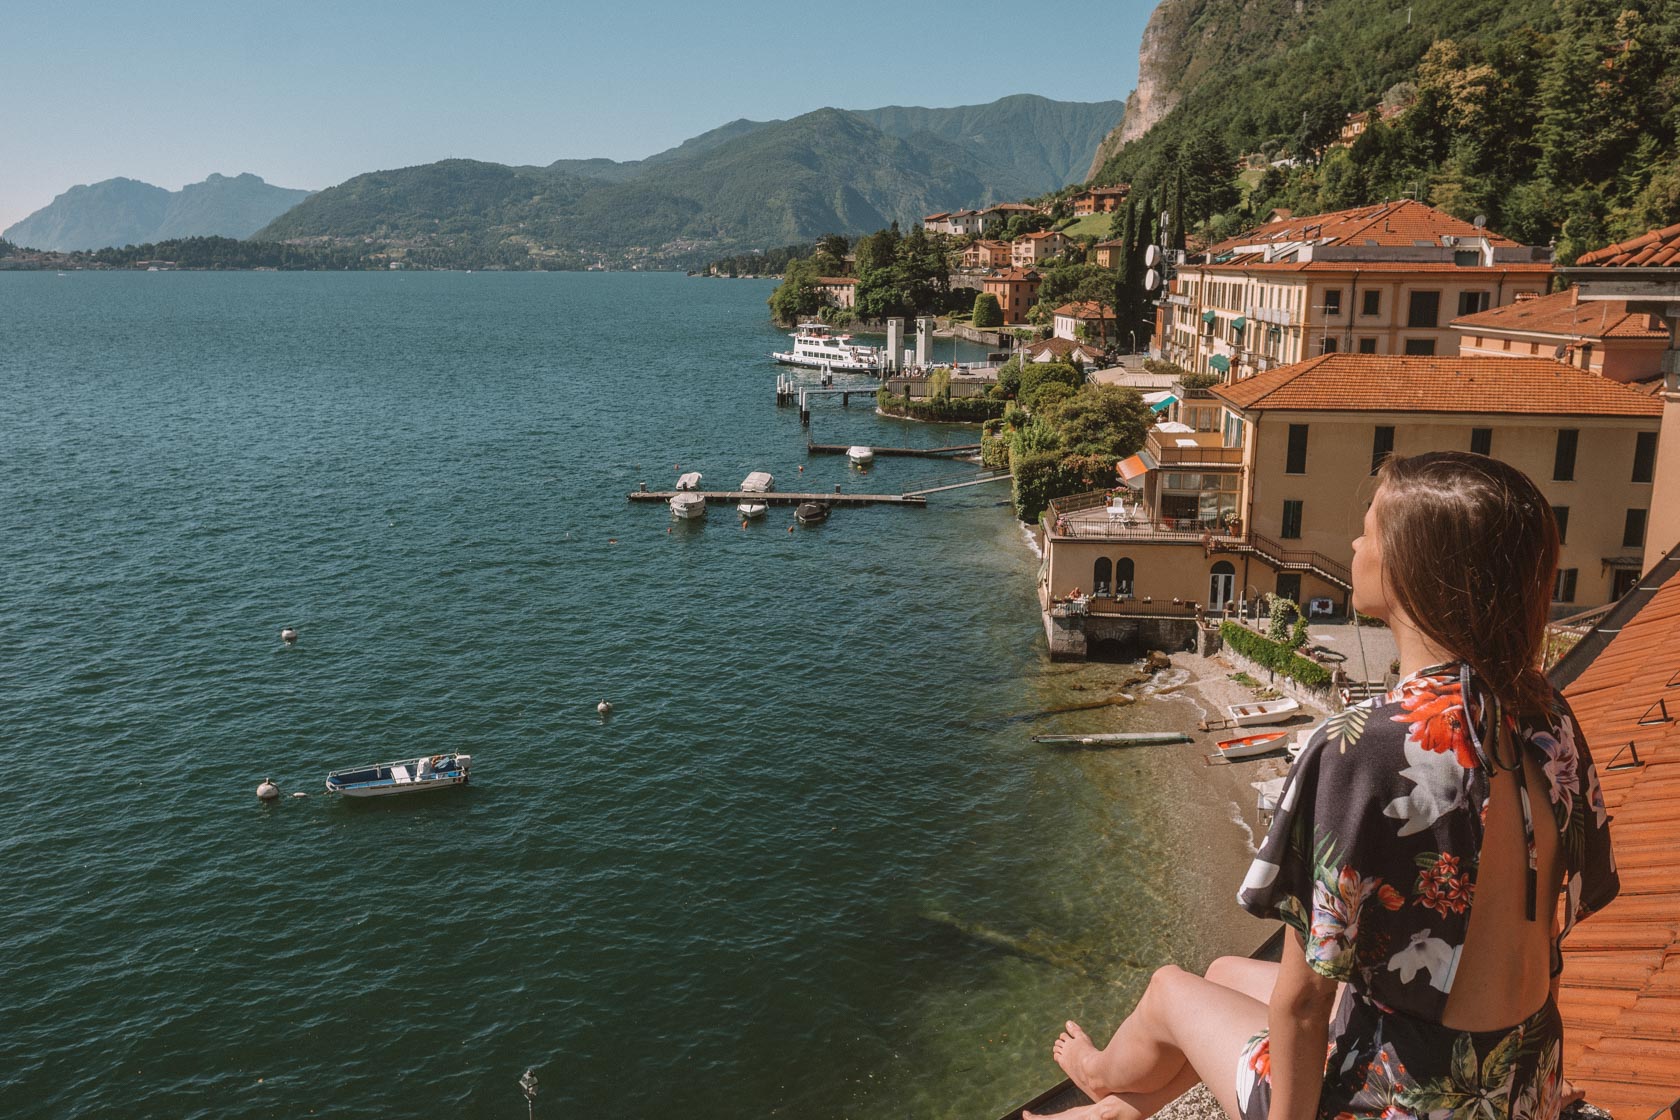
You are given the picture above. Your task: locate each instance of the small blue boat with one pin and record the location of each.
(385, 779)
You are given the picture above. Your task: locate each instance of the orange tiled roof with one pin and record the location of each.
(1087, 309)
(1658, 249)
(1620, 992)
(1040, 236)
(1564, 313)
(1016, 274)
(1063, 347)
(1402, 223)
(1252, 262)
(1383, 383)
(936, 217)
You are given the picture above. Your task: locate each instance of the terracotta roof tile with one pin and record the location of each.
(1253, 263)
(1566, 314)
(1088, 309)
(1391, 224)
(1620, 992)
(1490, 385)
(1658, 249)
(1016, 274)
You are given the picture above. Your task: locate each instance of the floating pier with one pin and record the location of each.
(783, 498)
(1118, 739)
(924, 452)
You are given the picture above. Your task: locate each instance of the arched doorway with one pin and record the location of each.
(1123, 578)
(1222, 585)
(1101, 573)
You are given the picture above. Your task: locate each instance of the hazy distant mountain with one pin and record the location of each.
(1047, 144)
(748, 184)
(127, 212)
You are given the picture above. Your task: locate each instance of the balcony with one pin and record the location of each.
(1170, 450)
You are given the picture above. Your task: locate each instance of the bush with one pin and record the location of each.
(952, 410)
(1037, 374)
(1275, 656)
(987, 312)
(1039, 477)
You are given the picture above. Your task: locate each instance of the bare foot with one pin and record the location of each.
(1083, 1112)
(1074, 1052)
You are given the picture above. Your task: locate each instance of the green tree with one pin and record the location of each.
(987, 311)
(798, 295)
(1035, 375)
(1110, 421)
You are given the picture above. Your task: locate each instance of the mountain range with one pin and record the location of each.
(745, 185)
(128, 212)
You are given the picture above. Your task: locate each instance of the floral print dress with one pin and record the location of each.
(1372, 860)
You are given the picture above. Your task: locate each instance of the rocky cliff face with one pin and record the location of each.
(1159, 58)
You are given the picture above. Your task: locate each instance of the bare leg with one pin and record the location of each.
(1252, 978)
(1182, 1020)
(1129, 1106)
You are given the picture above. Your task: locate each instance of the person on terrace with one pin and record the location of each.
(1417, 859)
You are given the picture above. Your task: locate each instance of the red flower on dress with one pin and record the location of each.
(1390, 898)
(1443, 887)
(1436, 721)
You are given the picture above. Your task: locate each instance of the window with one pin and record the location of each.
(1289, 586)
(1645, 457)
(1481, 441)
(1367, 346)
(1471, 302)
(1291, 520)
(1560, 514)
(1382, 445)
(1329, 345)
(1371, 303)
(1420, 347)
(1425, 310)
(1333, 301)
(1633, 530)
(1563, 466)
(1297, 461)
(1563, 589)
(1466, 258)
(1123, 577)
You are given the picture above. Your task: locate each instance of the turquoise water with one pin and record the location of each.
(811, 866)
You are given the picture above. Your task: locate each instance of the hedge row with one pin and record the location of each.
(1278, 658)
(959, 410)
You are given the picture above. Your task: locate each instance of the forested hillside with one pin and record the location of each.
(1555, 120)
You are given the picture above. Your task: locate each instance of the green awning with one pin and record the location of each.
(1239, 322)
(1207, 316)
(1221, 363)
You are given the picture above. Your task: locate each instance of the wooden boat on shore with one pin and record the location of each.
(386, 779)
(1263, 712)
(1250, 746)
(1117, 738)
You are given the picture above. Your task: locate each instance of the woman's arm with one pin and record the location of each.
(1299, 1021)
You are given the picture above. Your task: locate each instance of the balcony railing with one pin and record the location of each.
(1169, 455)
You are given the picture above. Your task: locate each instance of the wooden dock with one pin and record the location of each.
(782, 497)
(924, 452)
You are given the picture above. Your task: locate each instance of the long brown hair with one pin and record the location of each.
(1470, 549)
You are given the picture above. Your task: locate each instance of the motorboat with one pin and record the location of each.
(758, 482)
(386, 779)
(689, 481)
(1248, 746)
(750, 509)
(859, 455)
(817, 346)
(1263, 711)
(809, 513)
(686, 505)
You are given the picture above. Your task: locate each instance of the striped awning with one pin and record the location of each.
(1137, 466)
(1221, 363)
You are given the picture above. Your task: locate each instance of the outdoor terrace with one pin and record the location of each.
(1191, 449)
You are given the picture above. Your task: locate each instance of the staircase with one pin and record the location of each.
(1291, 560)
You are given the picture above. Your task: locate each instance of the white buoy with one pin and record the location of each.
(604, 708)
(288, 634)
(267, 790)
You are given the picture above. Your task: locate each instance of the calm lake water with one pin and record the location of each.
(812, 867)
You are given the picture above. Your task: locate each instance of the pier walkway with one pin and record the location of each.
(926, 452)
(783, 498)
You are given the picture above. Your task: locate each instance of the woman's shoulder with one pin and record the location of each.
(1421, 719)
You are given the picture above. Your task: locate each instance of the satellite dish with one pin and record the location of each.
(1481, 221)
(1151, 280)
(1152, 256)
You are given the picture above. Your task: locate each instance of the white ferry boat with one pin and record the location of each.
(816, 346)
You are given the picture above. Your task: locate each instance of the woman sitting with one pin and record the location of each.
(1420, 847)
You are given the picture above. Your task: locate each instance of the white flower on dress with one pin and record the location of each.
(1428, 954)
(1440, 783)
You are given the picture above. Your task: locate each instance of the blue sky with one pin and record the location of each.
(307, 94)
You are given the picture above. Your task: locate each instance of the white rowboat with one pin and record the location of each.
(1250, 745)
(1263, 712)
